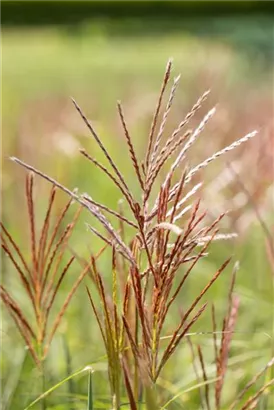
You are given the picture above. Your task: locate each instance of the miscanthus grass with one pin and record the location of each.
(154, 251)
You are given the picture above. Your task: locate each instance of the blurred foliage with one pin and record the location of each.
(166, 8)
(245, 24)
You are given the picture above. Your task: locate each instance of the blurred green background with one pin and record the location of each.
(99, 52)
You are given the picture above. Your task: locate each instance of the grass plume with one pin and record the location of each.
(154, 252)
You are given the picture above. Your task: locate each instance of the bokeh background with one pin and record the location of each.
(101, 52)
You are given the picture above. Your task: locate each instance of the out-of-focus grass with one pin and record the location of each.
(41, 69)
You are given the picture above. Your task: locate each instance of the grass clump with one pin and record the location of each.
(156, 238)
